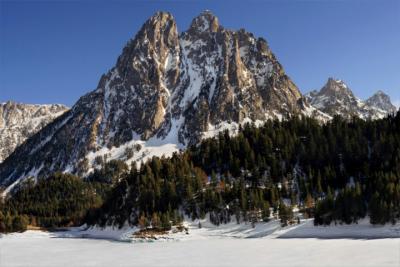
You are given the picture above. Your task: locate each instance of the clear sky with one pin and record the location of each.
(56, 51)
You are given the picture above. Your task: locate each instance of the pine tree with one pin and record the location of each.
(375, 209)
(285, 213)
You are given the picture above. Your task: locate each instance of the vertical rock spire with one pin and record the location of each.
(205, 22)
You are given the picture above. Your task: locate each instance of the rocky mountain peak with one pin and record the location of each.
(336, 87)
(166, 91)
(382, 101)
(156, 35)
(137, 89)
(336, 98)
(205, 22)
(159, 22)
(20, 121)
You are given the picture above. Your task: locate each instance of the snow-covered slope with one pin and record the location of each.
(381, 101)
(336, 98)
(271, 230)
(244, 230)
(20, 121)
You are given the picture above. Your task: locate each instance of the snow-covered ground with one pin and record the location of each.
(362, 230)
(34, 249)
(227, 245)
(272, 229)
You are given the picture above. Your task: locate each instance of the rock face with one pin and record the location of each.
(380, 100)
(226, 76)
(20, 121)
(336, 98)
(166, 91)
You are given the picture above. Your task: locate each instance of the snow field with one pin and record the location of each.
(232, 244)
(41, 250)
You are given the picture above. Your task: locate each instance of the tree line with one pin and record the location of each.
(338, 172)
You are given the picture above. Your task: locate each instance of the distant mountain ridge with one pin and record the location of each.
(382, 101)
(336, 98)
(20, 121)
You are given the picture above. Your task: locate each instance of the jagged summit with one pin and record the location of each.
(381, 101)
(205, 22)
(336, 98)
(160, 16)
(337, 87)
(159, 20)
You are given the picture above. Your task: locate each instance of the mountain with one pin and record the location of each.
(381, 101)
(166, 91)
(336, 98)
(20, 121)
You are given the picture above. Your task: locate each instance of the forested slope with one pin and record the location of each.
(338, 172)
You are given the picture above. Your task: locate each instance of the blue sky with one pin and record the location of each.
(56, 51)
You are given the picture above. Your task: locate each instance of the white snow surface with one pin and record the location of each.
(227, 245)
(154, 147)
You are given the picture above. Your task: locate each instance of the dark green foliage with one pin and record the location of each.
(13, 222)
(111, 172)
(59, 200)
(19, 223)
(349, 169)
(239, 176)
(348, 207)
(285, 214)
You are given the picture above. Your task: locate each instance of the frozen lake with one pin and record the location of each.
(41, 249)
